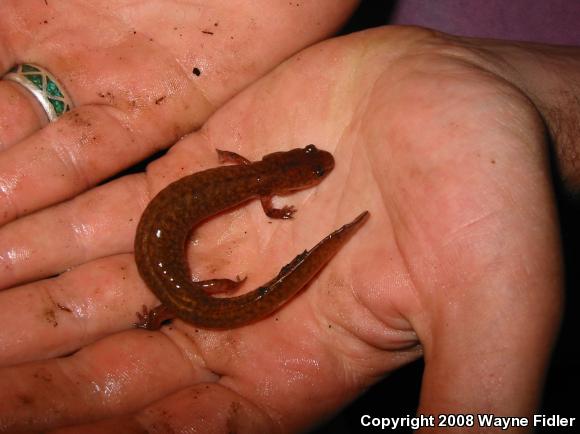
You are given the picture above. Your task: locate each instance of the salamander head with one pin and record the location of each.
(300, 168)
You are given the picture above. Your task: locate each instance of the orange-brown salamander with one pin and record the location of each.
(170, 217)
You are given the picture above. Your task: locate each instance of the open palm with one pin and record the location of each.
(459, 254)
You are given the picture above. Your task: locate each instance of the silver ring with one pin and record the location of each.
(44, 87)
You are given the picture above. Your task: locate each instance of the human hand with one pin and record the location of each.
(458, 261)
(141, 76)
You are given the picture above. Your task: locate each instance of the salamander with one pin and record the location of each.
(175, 211)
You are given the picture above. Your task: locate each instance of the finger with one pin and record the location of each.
(54, 317)
(117, 375)
(53, 240)
(15, 104)
(50, 241)
(108, 131)
(208, 408)
(69, 156)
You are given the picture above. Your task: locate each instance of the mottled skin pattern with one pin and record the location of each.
(170, 217)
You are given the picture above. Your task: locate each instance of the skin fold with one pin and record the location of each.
(460, 263)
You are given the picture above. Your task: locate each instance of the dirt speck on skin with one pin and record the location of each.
(50, 317)
(61, 307)
(79, 120)
(108, 96)
(43, 375)
(232, 426)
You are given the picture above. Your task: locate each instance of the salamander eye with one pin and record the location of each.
(319, 171)
(310, 148)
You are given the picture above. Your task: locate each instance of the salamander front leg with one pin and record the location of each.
(231, 157)
(271, 211)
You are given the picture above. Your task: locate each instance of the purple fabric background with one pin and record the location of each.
(548, 21)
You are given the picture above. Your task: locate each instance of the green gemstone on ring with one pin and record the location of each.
(29, 68)
(36, 79)
(59, 106)
(52, 88)
(44, 87)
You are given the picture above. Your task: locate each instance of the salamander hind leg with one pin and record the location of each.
(286, 212)
(153, 319)
(215, 286)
